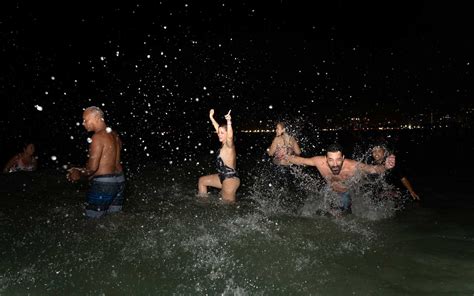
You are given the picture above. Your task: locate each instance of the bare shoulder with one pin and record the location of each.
(100, 138)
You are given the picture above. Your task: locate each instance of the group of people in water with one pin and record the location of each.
(105, 172)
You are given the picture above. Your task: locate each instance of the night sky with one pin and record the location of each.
(158, 68)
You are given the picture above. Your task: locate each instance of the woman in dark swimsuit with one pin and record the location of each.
(227, 178)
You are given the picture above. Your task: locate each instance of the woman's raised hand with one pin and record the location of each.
(227, 116)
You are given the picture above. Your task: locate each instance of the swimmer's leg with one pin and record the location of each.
(229, 189)
(208, 181)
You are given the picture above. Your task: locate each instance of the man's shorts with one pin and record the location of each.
(105, 195)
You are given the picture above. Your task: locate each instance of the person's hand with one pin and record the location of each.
(73, 174)
(390, 162)
(211, 113)
(414, 196)
(227, 116)
(289, 158)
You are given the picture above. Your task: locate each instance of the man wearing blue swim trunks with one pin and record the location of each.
(336, 170)
(103, 168)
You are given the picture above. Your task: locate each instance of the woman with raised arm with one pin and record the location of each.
(227, 178)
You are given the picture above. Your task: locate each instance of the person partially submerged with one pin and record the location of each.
(395, 176)
(23, 161)
(337, 170)
(103, 168)
(283, 177)
(227, 178)
(283, 145)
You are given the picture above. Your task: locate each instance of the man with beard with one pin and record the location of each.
(337, 170)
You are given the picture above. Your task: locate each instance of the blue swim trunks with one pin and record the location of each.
(105, 195)
(345, 202)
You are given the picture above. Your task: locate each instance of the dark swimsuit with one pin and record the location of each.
(224, 171)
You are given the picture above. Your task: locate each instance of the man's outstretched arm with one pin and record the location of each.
(378, 169)
(311, 161)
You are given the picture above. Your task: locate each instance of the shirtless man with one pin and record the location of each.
(103, 167)
(336, 170)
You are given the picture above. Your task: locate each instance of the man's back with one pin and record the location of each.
(109, 143)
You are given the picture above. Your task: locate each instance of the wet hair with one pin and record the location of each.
(386, 151)
(283, 125)
(223, 125)
(379, 146)
(335, 147)
(95, 110)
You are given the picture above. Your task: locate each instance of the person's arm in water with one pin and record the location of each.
(230, 132)
(408, 186)
(377, 169)
(213, 121)
(95, 152)
(11, 163)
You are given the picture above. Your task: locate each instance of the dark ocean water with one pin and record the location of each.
(166, 242)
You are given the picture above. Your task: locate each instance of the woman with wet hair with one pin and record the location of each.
(226, 178)
(283, 145)
(23, 161)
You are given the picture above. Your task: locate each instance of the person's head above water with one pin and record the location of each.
(222, 132)
(93, 119)
(335, 158)
(280, 128)
(379, 153)
(29, 148)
